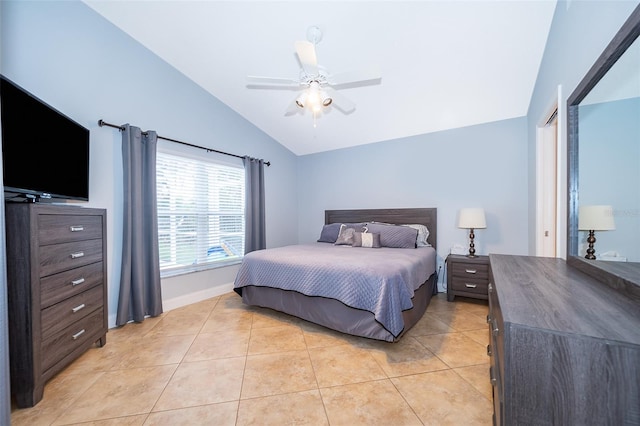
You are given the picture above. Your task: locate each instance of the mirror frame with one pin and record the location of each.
(622, 276)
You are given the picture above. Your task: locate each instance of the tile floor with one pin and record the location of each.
(218, 362)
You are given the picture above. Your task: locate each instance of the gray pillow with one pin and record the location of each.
(366, 239)
(330, 232)
(394, 236)
(345, 237)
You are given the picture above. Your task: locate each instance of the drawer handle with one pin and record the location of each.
(490, 288)
(77, 308)
(493, 379)
(76, 228)
(77, 255)
(494, 328)
(467, 285)
(78, 281)
(470, 271)
(78, 334)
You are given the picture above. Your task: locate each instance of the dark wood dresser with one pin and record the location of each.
(57, 291)
(565, 348)
(467, 276)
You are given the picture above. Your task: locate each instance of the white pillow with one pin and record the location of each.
(423, 235)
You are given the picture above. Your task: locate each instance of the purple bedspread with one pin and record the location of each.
(381, 280)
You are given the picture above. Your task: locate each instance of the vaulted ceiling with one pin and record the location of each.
(443, 64)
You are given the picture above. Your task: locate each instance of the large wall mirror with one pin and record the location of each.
(604, 164)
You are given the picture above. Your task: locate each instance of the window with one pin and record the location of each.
(200, 213)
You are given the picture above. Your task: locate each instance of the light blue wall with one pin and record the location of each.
(580, 32)
(477, 166)
(70, 57)
(608, 172)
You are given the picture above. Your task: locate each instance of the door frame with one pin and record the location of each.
(555, 107)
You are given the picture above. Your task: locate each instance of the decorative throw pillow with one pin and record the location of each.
(366, 239)
(330, 232)
(394, 236)
(345, 237)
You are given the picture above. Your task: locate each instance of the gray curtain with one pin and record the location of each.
(255, 234)
(140, 293)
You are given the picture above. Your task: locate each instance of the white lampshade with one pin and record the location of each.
(472, 218)
(596, 218)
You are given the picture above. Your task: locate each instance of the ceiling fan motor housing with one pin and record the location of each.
(314, 34)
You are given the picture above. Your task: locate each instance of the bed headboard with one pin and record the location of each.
(422, 216)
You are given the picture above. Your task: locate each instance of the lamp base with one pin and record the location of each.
(591, 239)
(472, 247)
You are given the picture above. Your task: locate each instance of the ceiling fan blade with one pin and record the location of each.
(307, 54)
(272, 80)
(340, 102)
(355, 78)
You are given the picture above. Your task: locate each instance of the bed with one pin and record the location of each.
(367, 283)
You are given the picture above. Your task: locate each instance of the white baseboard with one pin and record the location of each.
(198, 296)
(187, 299)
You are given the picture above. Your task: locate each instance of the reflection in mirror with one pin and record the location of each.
(603, 144)
(609, 157)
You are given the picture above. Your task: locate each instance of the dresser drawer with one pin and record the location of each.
(496, 327)
(55, 288)
(470, 285)
(54, 228)
(62, 257)
(63, 314)
(470, 270)
(66, 341)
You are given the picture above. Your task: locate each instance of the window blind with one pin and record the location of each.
(200, 213)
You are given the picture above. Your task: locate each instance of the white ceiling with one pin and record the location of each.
(444, 64)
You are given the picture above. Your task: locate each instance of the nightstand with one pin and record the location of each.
(467, 276)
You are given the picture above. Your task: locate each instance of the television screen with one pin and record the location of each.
(45, 154)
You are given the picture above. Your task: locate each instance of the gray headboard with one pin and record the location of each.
(422, 216)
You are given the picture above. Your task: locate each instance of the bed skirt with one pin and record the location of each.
(334, 314)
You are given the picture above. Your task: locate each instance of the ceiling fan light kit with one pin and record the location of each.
(318, 85)
(314, 98)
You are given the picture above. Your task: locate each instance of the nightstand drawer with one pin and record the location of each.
(470, 270)
(471, 285)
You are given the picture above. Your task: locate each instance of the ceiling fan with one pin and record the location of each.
(319, 87)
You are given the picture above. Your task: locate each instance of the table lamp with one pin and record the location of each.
(595, 218)
(472, 218)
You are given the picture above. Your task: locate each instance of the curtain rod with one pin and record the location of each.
(121, 128)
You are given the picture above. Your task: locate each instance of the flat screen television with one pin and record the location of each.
(45, 154)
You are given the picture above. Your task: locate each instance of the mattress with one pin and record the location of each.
(380, 283)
